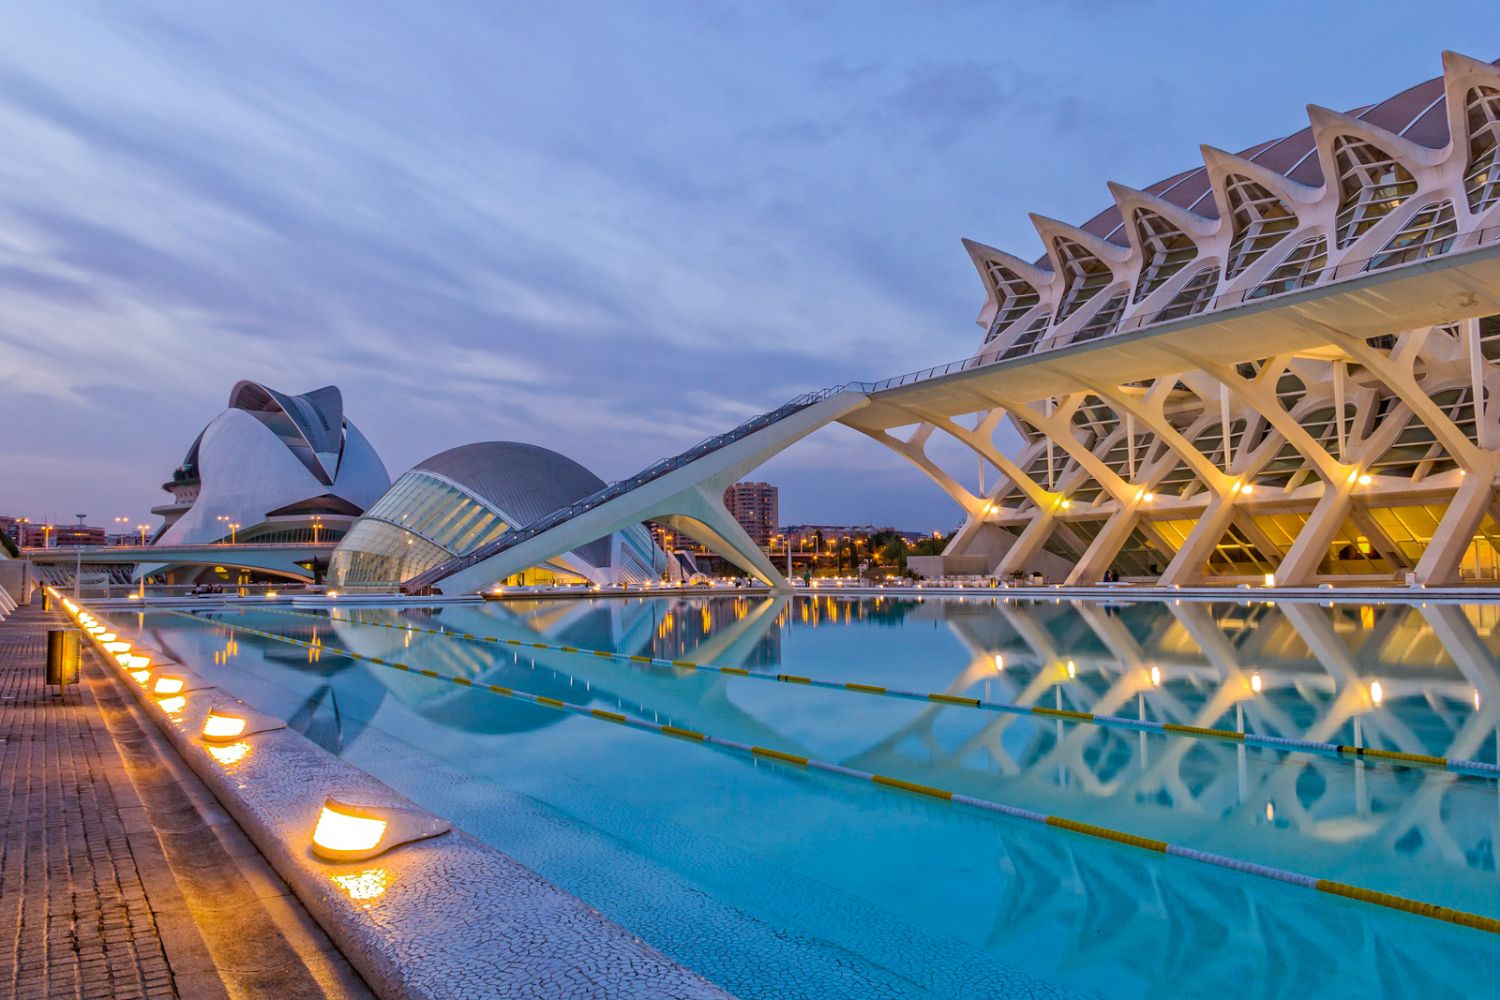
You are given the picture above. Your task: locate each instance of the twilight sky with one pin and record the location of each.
(610, 229)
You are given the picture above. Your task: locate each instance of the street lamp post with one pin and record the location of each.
(78, 555)
(233, 529)
(142, 529)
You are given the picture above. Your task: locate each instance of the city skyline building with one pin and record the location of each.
(757, 508)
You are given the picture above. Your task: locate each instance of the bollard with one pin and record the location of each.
(63, 653)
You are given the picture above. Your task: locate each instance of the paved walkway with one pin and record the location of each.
(119, 875)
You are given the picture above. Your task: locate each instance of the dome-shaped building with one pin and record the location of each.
(276, 467)
(457, 500)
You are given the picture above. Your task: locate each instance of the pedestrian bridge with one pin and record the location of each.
(1131, 368)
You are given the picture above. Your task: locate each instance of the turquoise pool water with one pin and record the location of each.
(777, 881)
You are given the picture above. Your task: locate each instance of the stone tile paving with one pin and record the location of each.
(74, 911)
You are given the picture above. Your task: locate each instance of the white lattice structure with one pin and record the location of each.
(1186, 354)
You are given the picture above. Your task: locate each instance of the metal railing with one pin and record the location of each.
(1169, 313)
(108, 550)
(651, 473)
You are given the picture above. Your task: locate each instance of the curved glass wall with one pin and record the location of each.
(420, 522)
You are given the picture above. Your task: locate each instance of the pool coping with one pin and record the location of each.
(448, 916)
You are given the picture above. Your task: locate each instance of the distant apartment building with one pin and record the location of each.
(10, 527)
(757, 507)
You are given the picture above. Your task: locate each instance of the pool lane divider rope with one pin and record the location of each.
(1472, 768)
(1387, 900)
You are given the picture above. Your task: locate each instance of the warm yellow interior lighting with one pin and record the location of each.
(1270, 579)
(168, 686)
(222, 727)
(341, 830)
(1364, 480)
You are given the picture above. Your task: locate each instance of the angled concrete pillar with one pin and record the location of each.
(1187, 565)
(1312, 543)
(1105, 546)
(1028, 544)
(1455, 532)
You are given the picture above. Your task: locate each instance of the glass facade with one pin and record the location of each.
(420, 522)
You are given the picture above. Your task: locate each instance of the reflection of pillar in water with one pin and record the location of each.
(1239, 723)
(1361, 797)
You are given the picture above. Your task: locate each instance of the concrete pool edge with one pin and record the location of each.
(449, 916)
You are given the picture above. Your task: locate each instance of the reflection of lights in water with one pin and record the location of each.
(1476, 699)
(1072, 669)
(1156, 676)
(1255, 682)
(999, 662)
(1270, 813)
(368, 884)
(1377, 693)
(230, 755)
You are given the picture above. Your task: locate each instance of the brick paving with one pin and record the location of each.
(73, 904)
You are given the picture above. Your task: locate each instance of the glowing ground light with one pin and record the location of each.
(230, 755)
(222, 727)
(173, 705)
(133, 661)
(118, 646)
(168, 686)
(345, 832)
(141, 676)
(1156, 676)
(363, 886)
(106, 637)
(1377, 693)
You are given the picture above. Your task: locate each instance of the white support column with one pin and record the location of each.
(1187, 565)
(1455, 532)
(1028, 544)
(1106, 545)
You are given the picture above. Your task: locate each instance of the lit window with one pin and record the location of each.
(1084, 276)
(1193, 297)
(1015, 297)
(1165, 250)
(1371, 184)
(1428, 233)
(1480, 180)
(1302, 267)
(1260, 220)
(1104, 321)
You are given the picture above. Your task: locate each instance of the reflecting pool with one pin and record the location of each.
(775, 880)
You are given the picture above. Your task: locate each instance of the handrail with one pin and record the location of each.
(1397, 257)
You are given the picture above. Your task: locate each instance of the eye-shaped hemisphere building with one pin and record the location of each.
(452, 503)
